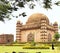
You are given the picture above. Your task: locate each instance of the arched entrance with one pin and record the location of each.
(30, 37)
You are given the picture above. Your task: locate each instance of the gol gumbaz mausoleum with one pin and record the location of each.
(38, 29)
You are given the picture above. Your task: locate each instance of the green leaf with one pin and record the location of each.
(20, 4)
(57, 3)
(23, 14)
(47, 4)
(28, 0)
(2, 0)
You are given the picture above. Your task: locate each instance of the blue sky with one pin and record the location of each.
(9, 26)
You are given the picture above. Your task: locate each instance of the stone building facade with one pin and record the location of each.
(6, 38)
(37, 29)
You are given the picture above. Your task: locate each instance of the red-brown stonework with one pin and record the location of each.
(6, 38)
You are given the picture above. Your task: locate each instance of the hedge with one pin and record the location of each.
(34, 47)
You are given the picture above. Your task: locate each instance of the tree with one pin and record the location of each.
(8, 6)
(4, 10)
(59, 27)
(57, 36)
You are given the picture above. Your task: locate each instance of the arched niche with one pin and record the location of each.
(30, 37)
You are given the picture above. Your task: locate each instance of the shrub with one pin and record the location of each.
(34, 47)
(38, 52)
(13, 52)
(22, 52)
(6, 52)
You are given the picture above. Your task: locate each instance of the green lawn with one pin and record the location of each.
(17, 49)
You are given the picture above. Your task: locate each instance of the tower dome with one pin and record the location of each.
(36, 17)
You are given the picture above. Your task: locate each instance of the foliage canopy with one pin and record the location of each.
(57, 36)
(8, 6)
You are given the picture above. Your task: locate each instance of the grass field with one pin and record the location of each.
(18, 49)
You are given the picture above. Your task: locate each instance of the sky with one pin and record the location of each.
(9, 27)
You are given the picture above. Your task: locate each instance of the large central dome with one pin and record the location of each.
(36, 17)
